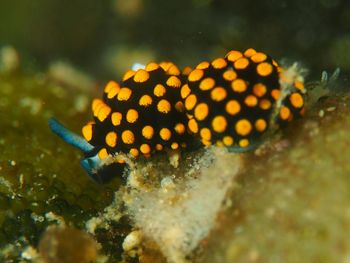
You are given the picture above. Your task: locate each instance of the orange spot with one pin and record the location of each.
(264, 69)
(163, 106)
(243, 143)
(203, 65)
(249, 52)
(111, 139)
(116, 118)
(159, 147)
(179, 106)
(159, 90)
(243, 127)
(218, 94)
(241, 63)
(102, 154)
(132, 115)
(87, 131)
(190, 102)
(251, 101)
(260, 125)
(239, 85)
(165, 134)
(227, 140)
(196, 75)
(152, 66)
(285, 113)
(299, 85)
(124, 94)
(96, 103)
(258, 57)
(185, 90)
(130, 73)
(233, 55)
(145, 100)
(180, 128)
(265, 104)
(134, 152)
(174, 145)
(145, 148)
(165, 65)
(103, 112)
(219, 63)
(219, 124)
(193, 125)
(174, 82)
(173, 70)
(275, 93)
(233, 107)
(128, 137)
(111, 85)
(141, 76)
(259, 89)
(205, 134)
(186, 71)
(148, 132)
(201, 111)
(207, 84)
(229, 75)
(296, 100)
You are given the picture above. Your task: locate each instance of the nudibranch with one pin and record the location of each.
(142, 115)
(233, 100)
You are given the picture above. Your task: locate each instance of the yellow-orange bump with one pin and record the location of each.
(251, 101)
(219, 124)
(205, 134)
(112, 87)
(132, 115)
(190, 102)
(128, 137)
(159, 147)
(193, 125)
(174, 82)
(116, 118)
(207, 84)
(134, 152)
(201, 111)
(243, 127)
(152, 66)
(102, 154)
(195, 75)
(299, 85)
(296, 100)
(249, 52)
(159, 90)
(145, 148)
(96, 103)
(173, 70)
(265, 104)
(227, 140)
(260, 125)
(147, 132)
(179, 106)
(145, 100)
(243, 143)
(180, 128)
(129, 74)
(165, 134)
(141, 76)
(87, 131)
(218, 94)
(185, 91)
(111, 139)
(241, 63)
(124, 94)
(239, 85)
(103, 113)
(259, 89)
(233, 55)
(264, 69)
(163, 106)
(203, 65)
(275, 93)
(219, 63)
(229, 75)
(233, 107)
(174, 145)
(258, 57)
(186, 71)
(285, 113)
